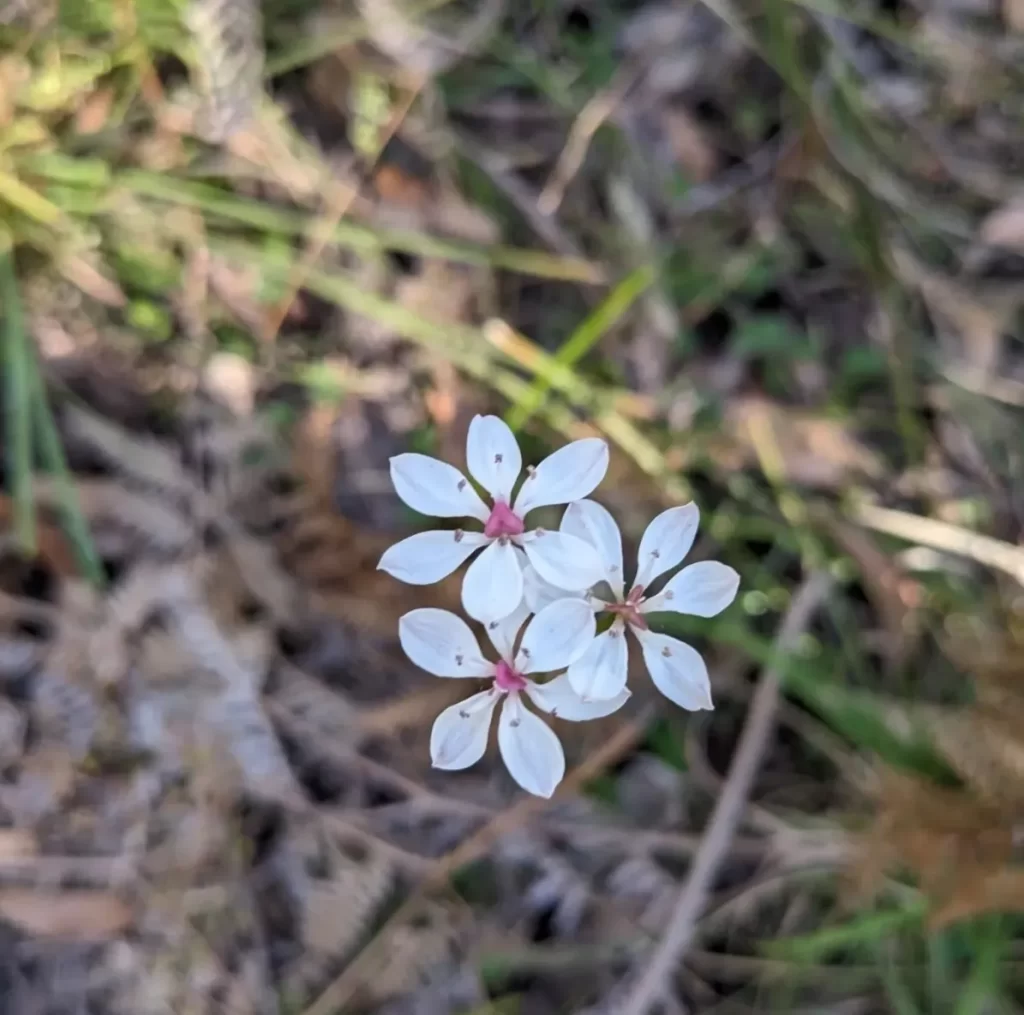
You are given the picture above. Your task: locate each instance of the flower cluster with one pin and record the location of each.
(570, 581)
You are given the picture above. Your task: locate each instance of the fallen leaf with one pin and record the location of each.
(78, 915)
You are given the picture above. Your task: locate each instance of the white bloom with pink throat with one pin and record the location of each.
(443, 644)
(703, 589)
(493, 586)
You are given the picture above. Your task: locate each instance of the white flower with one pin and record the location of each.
(442, 644)
(493, 586)
(703, 589)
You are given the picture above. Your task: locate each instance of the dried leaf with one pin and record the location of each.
(79, 915)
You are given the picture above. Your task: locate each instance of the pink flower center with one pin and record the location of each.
(507, 679)
(503, 521)
(630, 609)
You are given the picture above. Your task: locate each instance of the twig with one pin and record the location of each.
(590, 119)
(336, 996)
(943, 536)
(651, 985)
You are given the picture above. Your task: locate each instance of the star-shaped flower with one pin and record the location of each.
(703, 589)
(493, 586)
(443, 644)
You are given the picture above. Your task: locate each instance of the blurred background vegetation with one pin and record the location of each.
(773, 252)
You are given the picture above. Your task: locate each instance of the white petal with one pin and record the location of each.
(459, 735)
(538, 593)
(441, 643)
(593, 522)
(428, 557)
(570, 473)
(703, 589)
(667, 540)
(493, 586)
(529, 748)
(503, 632)
(562, 560)
(435, 488)
(559, 699)
(556, 637)
(601, 672)
(678, 670)
(493, 456)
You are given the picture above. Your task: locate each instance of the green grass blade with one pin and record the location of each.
(584, 338)
(18, 404)
(471, 351)
(863, 932)
(215, 201)
(51, 454)
(26, 200)
(898, 991)
(982, 988)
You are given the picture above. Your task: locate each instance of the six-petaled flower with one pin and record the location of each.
(703, 589)
(493, 586)
(443, 644)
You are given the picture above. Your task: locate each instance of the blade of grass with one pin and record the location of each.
(901, 997)
(28, 201)
(17, 402)
(527, 354)
(860, 933)
(51, 455)
(982, 987)
(476, 354)
(586, 335)
(215, 201)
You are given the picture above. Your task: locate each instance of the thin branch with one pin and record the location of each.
(651, 986)
(943, 536)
